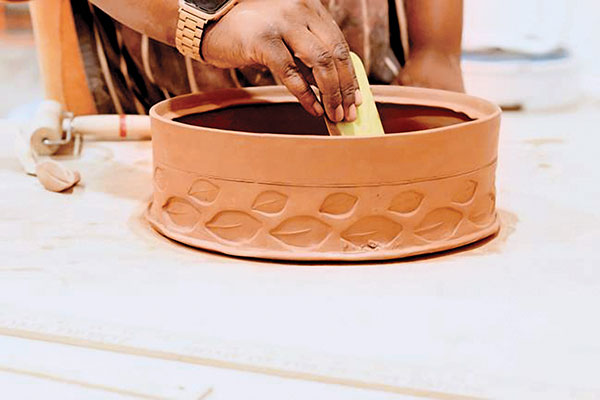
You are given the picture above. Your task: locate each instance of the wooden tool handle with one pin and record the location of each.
(113, 127)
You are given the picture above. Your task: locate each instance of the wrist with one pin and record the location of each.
(436, 56)
(206, 37)
(211, 46)
(438, 51)
(433, 68)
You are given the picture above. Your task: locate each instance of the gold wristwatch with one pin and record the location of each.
(193, 17)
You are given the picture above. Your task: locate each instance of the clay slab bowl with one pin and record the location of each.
(247, 172)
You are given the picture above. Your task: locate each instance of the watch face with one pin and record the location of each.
(208, 6)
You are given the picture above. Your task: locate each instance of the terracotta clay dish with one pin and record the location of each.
(247, 172)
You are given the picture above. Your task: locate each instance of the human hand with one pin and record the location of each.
(434, 69)
(299, 42)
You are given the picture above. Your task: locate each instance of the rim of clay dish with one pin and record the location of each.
(479, 110)
(324, 161)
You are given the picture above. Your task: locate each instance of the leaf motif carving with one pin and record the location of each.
(181, 213)
(483, 210)
(270, 202)
(406, 202)
(439, 224)
(303, 231)
(160, 179)
(235, 226)
(338, 204)
(373, 231)
(204, 191)
(466, 192)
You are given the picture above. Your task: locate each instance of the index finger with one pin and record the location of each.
(309, 49)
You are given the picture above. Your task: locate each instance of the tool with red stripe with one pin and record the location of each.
(52, 127)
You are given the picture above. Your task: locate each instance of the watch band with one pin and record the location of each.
(190, 28)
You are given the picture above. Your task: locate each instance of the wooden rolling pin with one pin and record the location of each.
(52, 127)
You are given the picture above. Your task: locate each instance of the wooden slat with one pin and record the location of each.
(60, 59)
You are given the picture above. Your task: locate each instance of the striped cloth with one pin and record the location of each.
(127, 72)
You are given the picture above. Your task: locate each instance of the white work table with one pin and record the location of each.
(95, 304)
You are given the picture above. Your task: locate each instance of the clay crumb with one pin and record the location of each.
(56, 177)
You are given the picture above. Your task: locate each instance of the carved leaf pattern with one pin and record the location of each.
(204, 191)
(483, 210)
(338, 204)
(181, 213)
(466, 192)
(160, 179)
(406, 202)
(439, 224)
(303, 231)
(372, 231)
(270, 202)
(235, 226)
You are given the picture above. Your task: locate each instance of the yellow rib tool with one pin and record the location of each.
(368, 122)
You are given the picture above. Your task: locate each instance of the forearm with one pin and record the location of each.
(435, 25)
(155, 18)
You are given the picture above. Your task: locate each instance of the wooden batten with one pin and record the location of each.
(60, 59)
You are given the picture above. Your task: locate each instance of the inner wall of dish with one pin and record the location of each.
(290, 118)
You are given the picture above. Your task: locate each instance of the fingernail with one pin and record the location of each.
(351, 117)
(339, 114)
(358, 100)
(318, 109)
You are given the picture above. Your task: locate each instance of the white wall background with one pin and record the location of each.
(584, 39)
(539, 26)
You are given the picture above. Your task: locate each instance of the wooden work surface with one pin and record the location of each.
(94, 303)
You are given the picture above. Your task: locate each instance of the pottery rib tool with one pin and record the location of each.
(368, 122)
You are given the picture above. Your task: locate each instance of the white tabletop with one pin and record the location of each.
(102, 304)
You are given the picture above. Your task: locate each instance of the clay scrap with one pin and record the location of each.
(55, 176)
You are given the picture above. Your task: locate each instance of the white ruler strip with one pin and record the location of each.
(209, 352)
